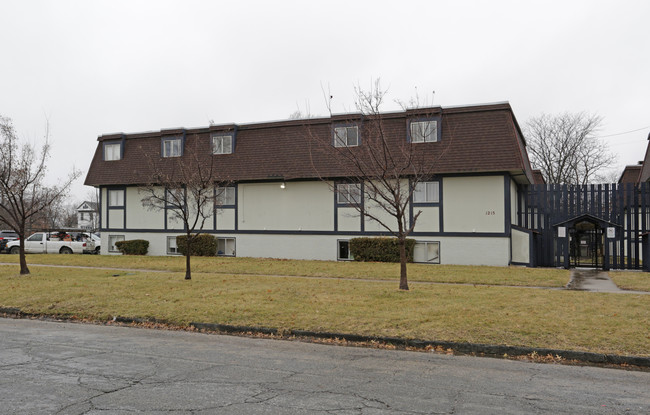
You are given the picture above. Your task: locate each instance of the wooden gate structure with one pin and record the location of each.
(603, 226)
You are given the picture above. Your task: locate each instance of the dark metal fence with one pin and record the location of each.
(623, 208)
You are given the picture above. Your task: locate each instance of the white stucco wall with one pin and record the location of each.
(429, 219)
(349, 219)
(137, 216)
(453, 250)
(225, 219)
(473, 204)
(299, 206)
(520, 246)
(116, 218)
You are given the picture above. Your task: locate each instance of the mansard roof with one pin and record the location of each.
(474, 139)
(630, 174)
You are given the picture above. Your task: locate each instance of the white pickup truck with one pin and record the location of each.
(43, 243)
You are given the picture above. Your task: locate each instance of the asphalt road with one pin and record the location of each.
(68, 368)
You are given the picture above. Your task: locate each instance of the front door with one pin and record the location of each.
(586, 245)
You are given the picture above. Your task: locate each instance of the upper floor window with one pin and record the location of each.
(225, 196)
(346, 136)
(348, 193)
(425, 131)
(221, 144)
(172, 147)
(112, 151)
(116, 197)
(426, 192)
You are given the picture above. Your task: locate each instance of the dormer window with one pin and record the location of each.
(346, 136)
(221, 144)
(112, 151)
(423, 131)
(172, 147)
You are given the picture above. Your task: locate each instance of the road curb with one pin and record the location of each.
(456, 347)
(491, 350)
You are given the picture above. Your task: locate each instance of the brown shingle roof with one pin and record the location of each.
(630, 174)
(483, 138)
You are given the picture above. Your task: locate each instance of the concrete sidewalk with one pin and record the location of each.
(595, 280)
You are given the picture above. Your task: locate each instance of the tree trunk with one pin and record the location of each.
(23, 261)
(188, 253)
(403, 282)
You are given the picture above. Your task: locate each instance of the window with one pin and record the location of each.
(348, 193)
(226, 246)
(116, 197)
(36, 237)
(112, 239)
(346, 136)
(221, 144)
(112, 151)
(225, 196)
(424, 131)
(172, 248)
(427, 252)
(344, 251)
(172, 147)
(426, 192)
(83, 216)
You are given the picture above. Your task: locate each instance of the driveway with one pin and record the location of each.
(69, 368)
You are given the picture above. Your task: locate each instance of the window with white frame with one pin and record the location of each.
(112, 240)
(427, 192)
(221, 144)
(226, 246)
(172, 248)
(343, 253)
(112, 151)
(424, 131)
(116, 198)
(172, 147)
(427, 252)
(348, 193)
(347, 136)
(225, 196)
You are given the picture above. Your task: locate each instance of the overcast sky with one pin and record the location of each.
(96, 67)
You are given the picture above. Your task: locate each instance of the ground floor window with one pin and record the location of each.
(427, 252)
(172, 248)
(226, 246)
(344, 251)
(112, 239)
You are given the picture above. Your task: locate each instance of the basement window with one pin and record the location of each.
(225, 246)
(343, 252)
(427, 252)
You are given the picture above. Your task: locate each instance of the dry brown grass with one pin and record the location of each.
(607, 323)
(519, 276)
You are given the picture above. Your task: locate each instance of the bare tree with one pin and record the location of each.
(187, 188)
(390, 169)
(565, 149)
(23, 193)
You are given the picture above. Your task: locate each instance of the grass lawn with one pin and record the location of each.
(631, 280)
(598, 322)
(519, 276)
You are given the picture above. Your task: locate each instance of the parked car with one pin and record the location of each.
(52, 243)
(6, 237)
(96, 240)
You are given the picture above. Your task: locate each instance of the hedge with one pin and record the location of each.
(379, 249)
(202, 245)
(133, 247)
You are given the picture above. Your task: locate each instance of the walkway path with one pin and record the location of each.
(596, 280)
(582, 279)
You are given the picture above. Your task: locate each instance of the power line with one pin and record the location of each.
(627, 132)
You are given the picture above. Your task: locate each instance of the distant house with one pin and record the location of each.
(88, 216)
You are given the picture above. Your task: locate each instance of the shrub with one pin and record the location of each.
(133, 247)
(379, 249)
(202, 245)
